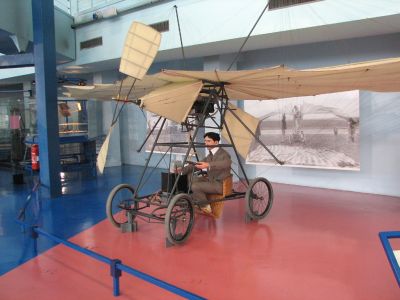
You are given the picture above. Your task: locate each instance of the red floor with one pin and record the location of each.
(314, 244)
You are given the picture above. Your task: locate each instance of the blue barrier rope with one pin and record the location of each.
(21, 214)
(88, 252)
(115, 266)
(385, 236)
(158, 282)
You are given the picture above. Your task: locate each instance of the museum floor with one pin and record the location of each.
(314, 244)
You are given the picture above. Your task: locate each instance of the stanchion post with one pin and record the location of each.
(116, 274)
(35, 236)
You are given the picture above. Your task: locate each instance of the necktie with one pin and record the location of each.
(210, 154)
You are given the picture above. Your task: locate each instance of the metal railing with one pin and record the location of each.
(116, 266)
(385, 237)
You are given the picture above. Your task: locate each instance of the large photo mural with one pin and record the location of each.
(316, 131)
(171, 133)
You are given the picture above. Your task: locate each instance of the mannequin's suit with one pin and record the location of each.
(219, 169)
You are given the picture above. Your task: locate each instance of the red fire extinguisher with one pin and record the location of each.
(35, 157)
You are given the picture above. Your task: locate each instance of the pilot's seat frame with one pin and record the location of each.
(217, 206)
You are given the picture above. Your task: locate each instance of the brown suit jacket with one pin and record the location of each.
(220, 166)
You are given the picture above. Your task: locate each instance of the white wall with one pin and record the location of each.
(133, 133)
(212, 27)
(16, 18)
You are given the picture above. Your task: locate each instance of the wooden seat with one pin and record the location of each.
(216, 207)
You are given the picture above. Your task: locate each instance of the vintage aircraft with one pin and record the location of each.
(190, 98)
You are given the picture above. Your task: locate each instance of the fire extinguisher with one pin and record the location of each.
(35, 157)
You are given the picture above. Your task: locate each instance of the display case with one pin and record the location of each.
(78, 152)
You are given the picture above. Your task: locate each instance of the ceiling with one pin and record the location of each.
(340, 31)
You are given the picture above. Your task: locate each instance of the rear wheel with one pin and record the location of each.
(179, 219)
(119, 199)
(259, 198)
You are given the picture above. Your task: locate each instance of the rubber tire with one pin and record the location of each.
(110, 201)
(249, 209)
(173, 203)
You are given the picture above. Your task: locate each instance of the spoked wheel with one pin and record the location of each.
(179, 219)
(119, 199)
(259, 198)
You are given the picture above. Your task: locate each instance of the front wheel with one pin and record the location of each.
(119, 199)
(179, 219)
(259, 198)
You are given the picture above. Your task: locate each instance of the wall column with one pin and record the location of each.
(46, 94)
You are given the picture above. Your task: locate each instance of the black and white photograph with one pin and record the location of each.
(171, 133)
(315, 131)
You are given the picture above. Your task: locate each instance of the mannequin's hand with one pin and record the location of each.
(202, 165)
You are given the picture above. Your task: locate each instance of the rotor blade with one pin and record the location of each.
(173, 101)
(241, 136)
(141, 46)
(102, 156)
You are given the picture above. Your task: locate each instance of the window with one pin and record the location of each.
(92, 43)
(273, 4)
(161, 26)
